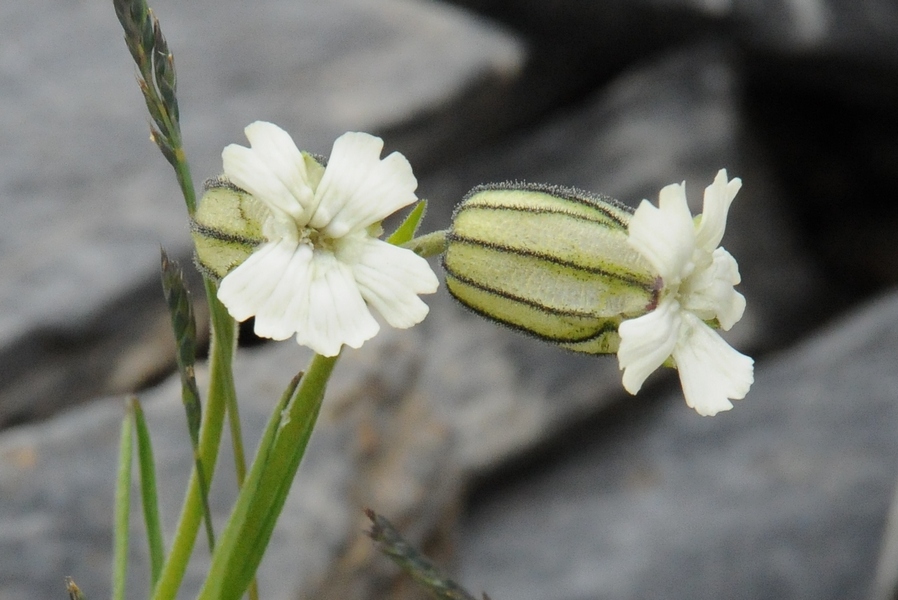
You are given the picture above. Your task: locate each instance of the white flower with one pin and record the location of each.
(698, 279)
(322, 267)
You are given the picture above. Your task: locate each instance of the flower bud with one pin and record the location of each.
(552, 262)
(226, 227)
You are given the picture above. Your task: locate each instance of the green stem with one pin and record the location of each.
(221, 387)
(239, 463)
(237, 439)
(429, 244)
(185, 181)
(262, 498)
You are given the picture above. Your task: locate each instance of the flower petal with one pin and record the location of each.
(647, 341)
(665, 236)
(245, 290)
(711, 372)
(272, 170)
(390, 279)
(336, 313)
(358, 188)
(718, 197)
(274, 318)
(709, 292)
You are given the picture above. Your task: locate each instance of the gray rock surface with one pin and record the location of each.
(87, 200)
(786, 496)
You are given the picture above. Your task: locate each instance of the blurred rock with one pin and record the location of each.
(841, 46)
(784, 497)
(87, 200)
(592, 41)
(837, 162)
(838, 47)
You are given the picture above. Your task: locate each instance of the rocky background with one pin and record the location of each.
(526, 469)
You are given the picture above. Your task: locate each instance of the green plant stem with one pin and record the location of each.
(239, 462)
(429, 244)
(185, 181)
(261, 499)
(221, 387)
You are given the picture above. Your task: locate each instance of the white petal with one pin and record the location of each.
(246, 289)
(336, 313)
(390, 279)
(711, 372)
(358, 188)
(665, 236)
(709, 292)
(718, 197)
(273, 318)
(272, 170)
(353, 156)
(647, 341)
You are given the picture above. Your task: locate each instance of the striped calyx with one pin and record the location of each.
(226, 228)
(549, 261)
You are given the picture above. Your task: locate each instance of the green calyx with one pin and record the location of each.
(549, 261)
(226, 227)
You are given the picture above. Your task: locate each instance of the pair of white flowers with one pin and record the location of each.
(323, 268)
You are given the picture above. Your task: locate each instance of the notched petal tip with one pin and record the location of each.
(273, 171)
(712, 372)
(359, 188)
(715, 210)
(390, 279)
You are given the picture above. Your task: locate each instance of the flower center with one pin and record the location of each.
(275, 229)
(317, 239)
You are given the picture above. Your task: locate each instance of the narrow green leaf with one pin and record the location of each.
(391, 543)
(149, 496)
(406, 231)
(233, 533)
(275, 486)
(261, 499)
(122, 509)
